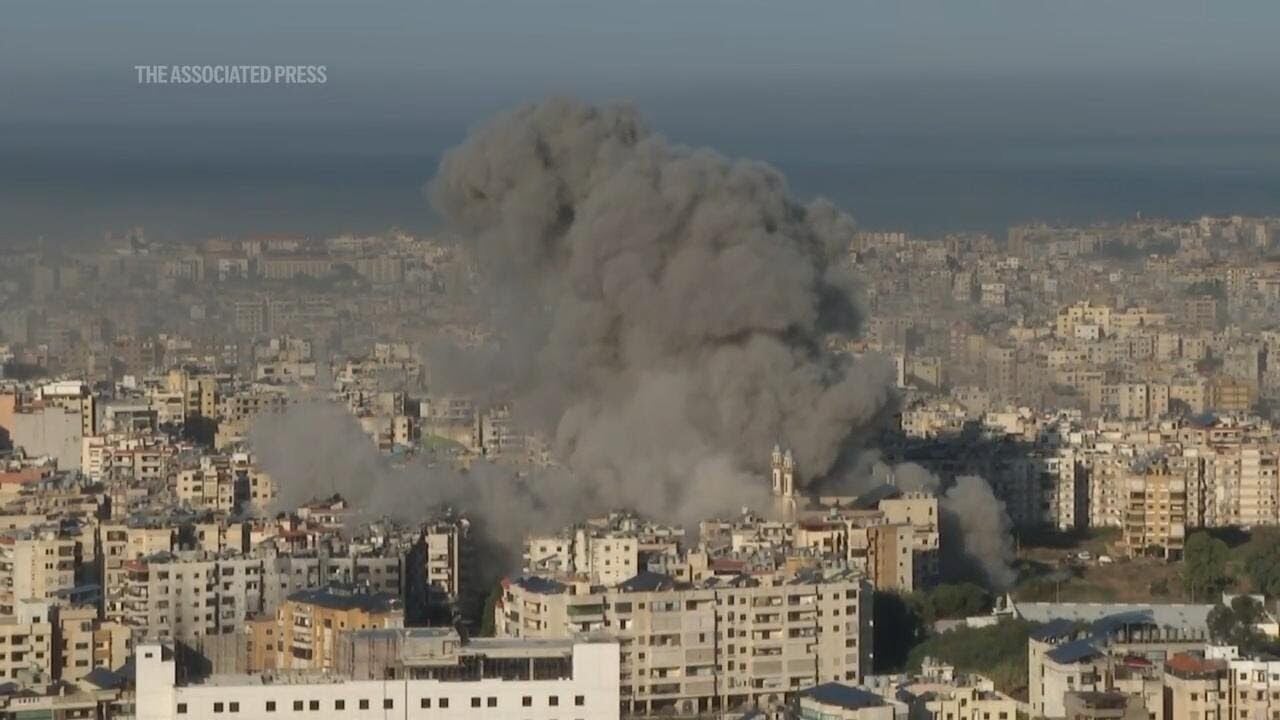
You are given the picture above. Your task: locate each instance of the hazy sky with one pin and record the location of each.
(797, 83)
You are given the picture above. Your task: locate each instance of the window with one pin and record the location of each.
(218, 707)
(182, 707)
(271, 706)
(526, 701)
(579, 700)
(364, 704)
(297, 706)
(426, 703)
(475, 702)
(554, 701)
(313, 705)
(339, 704)
(491, 702)
(234, 707)
(444, 703)
(388, 703)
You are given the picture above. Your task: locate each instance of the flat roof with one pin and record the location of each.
(845, 696)
(1177, 615)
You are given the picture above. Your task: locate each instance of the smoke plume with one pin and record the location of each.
(317, 449)
(977, 543)
(663, 310)
(663, 314)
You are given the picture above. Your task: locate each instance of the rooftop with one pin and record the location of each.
(845, 696)
(1181, 616)
(341, 597)
(1073, 652)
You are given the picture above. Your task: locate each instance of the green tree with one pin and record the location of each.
(1237, 624)
(998, 651)
(487, 627)
(898, 629)
(1262, 565)
(1204, 566)
(958, 600)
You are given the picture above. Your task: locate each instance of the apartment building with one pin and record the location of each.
(194, 593)
(307, 625)
(27, 641)
(138, 460)
(446, 548)
(602, 551)
(36, 564)
(1155, 519)
(434, 672)
(1244, 479)
(694, 647)
(225, 483)
(968, 702)
(918, 511)
(87, 643)
(181, 595)
(1088, 648)
(1222, 684)
(939, 692)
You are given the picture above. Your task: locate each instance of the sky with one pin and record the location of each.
(923, 115)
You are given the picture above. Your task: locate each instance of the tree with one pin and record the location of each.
(998, 651)
(1237, 624)
(1204, 567)
(958, 600)
(898, 629)
(1262, 565)
(487, 619)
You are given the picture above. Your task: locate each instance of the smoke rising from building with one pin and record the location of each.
(977, 543)
(316, 449)
(666, 310)
(664, 315)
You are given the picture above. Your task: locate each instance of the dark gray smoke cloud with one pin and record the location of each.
(666, 307)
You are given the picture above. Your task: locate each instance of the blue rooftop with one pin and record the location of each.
(1074, 651)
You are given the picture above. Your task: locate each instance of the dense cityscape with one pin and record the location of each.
(1110, 383)
(683, 360)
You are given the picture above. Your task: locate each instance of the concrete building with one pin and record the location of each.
(602, 551)
(715, 644)
(1221, 684)
(195, 593)
(309, 622)
(26, 634)
(836, 701)
(436, 675)
(1155, 518)
(1085, 648)
(53, 432)
(1095, 705)
(225, 483)
(37, 564)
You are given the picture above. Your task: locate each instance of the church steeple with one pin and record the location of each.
(783, 485)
